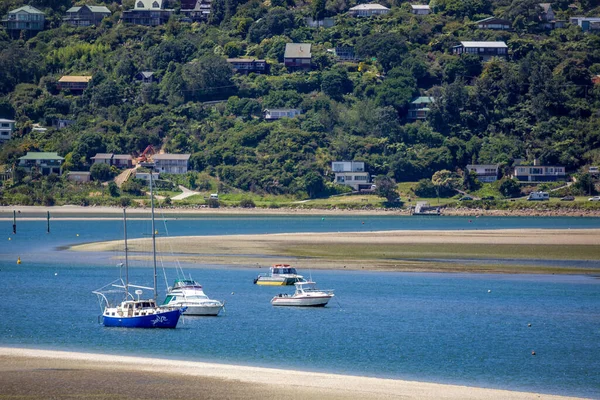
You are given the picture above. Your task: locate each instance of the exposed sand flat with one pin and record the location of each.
(30, 374)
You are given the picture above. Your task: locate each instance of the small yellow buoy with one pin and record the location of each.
(18, 260)
(156, 232)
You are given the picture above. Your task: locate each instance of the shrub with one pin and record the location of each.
(247, 203)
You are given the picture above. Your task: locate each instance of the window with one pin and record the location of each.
(140, 4)
(155, 5)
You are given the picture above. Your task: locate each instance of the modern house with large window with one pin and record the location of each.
(368, 10)
(351, 173)
(539, 173)
(76, 84)
(493, 23)
(485, 172)
(485, 50)
(171, 163)
(28, 19)
(248, 65)
(86, 15)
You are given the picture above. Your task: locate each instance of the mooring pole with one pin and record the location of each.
(14, 222)
(48, 226)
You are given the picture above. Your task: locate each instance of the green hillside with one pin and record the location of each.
(539, 102)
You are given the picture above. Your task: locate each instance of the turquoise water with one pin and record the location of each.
(452, 328)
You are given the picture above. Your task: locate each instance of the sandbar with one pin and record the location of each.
(43, 374)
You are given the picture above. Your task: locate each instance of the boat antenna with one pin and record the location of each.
(126, 256)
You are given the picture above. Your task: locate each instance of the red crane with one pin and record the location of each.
(147, 153)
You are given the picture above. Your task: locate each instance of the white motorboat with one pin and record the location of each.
(306, 295)
(189, 293)
(279, 275)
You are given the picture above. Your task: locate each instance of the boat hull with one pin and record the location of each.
(209, 311)
(275, 281)
(166, 319)
(312, 301)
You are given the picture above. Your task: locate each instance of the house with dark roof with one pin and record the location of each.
(117, 160)
(297, 56)
(547, 18)
(148, 13)
(485, 50)
(248, 65)
(196, 10)
(26, 18)
(146, 77)
(368, 10)
(493, 23)
(86, 15)
(419, 107)
(46, 163)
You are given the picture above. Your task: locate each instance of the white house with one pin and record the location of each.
(485, 50)
(351, 173)
(539, 173)
(420, 9)
(485, 172)
(278, 113)
(7, 126)
(368, 10)
(171, 163)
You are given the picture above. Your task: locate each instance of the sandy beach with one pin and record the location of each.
(42, 374)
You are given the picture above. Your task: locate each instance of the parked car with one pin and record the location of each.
(595, 198)
(567, 198)
(465, 198)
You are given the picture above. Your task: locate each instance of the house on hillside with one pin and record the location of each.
(272, 114)
(148, 13)
(327, 22)
(539, 173)
(419, 107)
(297, 56)
(345, 53)
(7, 127)
(171, 163)
(485, 50)
(547, 18)
(420, 9)
(79, 176)
(368, 10)
(27, 19)
(117, 160)
(76, 84)
(46, 163)
(146, 77)
(59, 123)
(586, 23)
(351, 173)
(86, 15)
(493, 23)
(485, 172)
(247, 65)
(196, 10)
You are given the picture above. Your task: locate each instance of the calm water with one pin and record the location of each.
(453, 328)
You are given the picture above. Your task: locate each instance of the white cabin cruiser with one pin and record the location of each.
(306, 295)
(189, 293)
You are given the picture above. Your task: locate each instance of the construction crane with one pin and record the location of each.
(146, 154)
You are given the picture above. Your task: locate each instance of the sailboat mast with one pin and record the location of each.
(153, 232)
(126, 256)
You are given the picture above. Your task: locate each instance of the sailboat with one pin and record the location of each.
(133, 311)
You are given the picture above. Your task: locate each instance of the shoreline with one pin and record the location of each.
(76, 374)
(80, 212)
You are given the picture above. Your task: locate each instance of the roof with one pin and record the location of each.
(483, 165)
(423, 99)
(40, 155)
(147, 74)
(79, 173)
(147, 4)
(297, 50)
(94, 9)
(102, 156)
(489, 19)
(282, 109)
(484, 44)
(171, 156)
(248, 60)
(71, 78)
(6, 120)
(420, 6)
(545, 6)
(370, 6)
(122, 157)
(27, 9)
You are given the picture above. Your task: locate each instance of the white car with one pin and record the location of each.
(595, 198)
